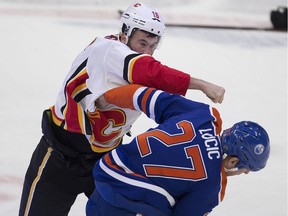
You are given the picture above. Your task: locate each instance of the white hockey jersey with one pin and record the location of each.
(103, 65)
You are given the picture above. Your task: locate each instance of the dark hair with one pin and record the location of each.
(149, 34)
(125, 29)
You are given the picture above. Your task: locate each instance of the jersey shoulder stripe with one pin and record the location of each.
(129, 65)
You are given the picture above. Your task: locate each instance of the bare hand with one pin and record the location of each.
(101, 103)
(212, 91)
(215, 93)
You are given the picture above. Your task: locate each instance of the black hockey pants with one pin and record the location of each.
(55, 176)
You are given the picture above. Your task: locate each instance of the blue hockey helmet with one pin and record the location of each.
(249, 142)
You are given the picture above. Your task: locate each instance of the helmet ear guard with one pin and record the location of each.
(124, 29)
(249, 142)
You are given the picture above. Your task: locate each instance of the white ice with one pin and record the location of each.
(39, 42)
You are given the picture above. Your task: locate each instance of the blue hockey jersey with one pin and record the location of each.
(173, 169)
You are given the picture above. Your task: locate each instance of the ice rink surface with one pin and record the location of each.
(38, 43)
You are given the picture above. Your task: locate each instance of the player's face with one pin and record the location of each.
(141, 42)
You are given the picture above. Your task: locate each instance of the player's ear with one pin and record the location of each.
(232, 162)
(123, 38)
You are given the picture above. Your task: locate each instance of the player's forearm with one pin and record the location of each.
(212, 91)
(121, 96)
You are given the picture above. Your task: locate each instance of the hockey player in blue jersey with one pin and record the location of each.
(179, 168)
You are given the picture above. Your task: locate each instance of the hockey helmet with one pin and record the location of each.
(249, 142)
(142, 17)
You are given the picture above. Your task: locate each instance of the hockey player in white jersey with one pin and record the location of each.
(76, 133)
